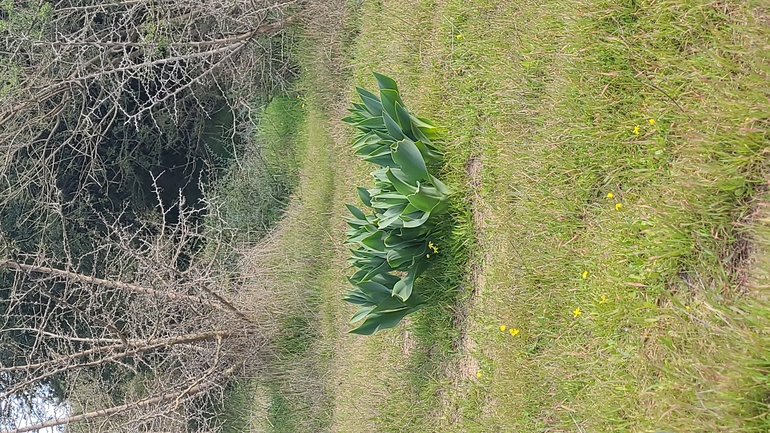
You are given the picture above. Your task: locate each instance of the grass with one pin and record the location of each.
(549, 107)
(254, 190)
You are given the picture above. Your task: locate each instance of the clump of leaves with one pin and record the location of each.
(391, 239)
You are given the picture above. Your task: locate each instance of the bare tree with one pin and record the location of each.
(140, 327)
(74, 69)
(146, 347)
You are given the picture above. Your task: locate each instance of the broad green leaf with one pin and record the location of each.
(370, 123)
(426, 128)
(429, 152)
(378, 321)
(385, 82)
(356, 223)
(392, 126)
(357, 238)
(391, 221)
(368, 138)
(423, 199)
(357, 299)
(380, 175)
(397, 257)
(374, 241)
(384, 136)
(372, 102)
(389, 199)
(374, 291)
(408, 156)
(389, 100)
(405, 120)
(356, 212)
(442, 189)
(387, 280)
(419, 219)
(383, 158)
(403, 288)
(396, 241)
(364, 195)
(370, 149)
(352, 120)
(393, 210)
(414, 233)
(400, 181)
(361, 313)
(382, 268)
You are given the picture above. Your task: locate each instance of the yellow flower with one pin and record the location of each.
(618, 206)
(427, 256)
(603, 299)
(433, 247)
(585, 275)
(687, 307)
(513, 331)
(478, 374)
(652, 121)
(502, 328)
(610, 195)
(576, 312)
(459, 36)
(636, 129)
(303, 105)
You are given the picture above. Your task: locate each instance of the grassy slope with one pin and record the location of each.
(541, 102)
(546, 96)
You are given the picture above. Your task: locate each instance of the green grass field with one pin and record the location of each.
(610, 164)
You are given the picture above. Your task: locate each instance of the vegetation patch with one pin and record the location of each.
(406, 201)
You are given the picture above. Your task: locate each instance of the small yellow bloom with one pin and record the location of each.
(433, 247)
(687, 307)
(636, 129)
(610, 195)
(459, 36)
(502, 328)
(618, 206)
(513, 332)
(652, 121)
(478, 374)
(303, 105)
(427, 256)
(603, 299)
(585, 275)
(576, 312)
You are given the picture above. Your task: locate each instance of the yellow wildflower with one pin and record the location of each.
(603, 299)
(427, 256)
(303, 105)
(478, 374)
(652, 121)
(585, 275)
(433, 247)
(513, 331)
(502, 328)
(687, 307)
(459, 36)
(618, 206)
(636, 129)
(610, 195)
(576, 312)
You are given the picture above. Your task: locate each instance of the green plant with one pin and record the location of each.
(405, 201)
